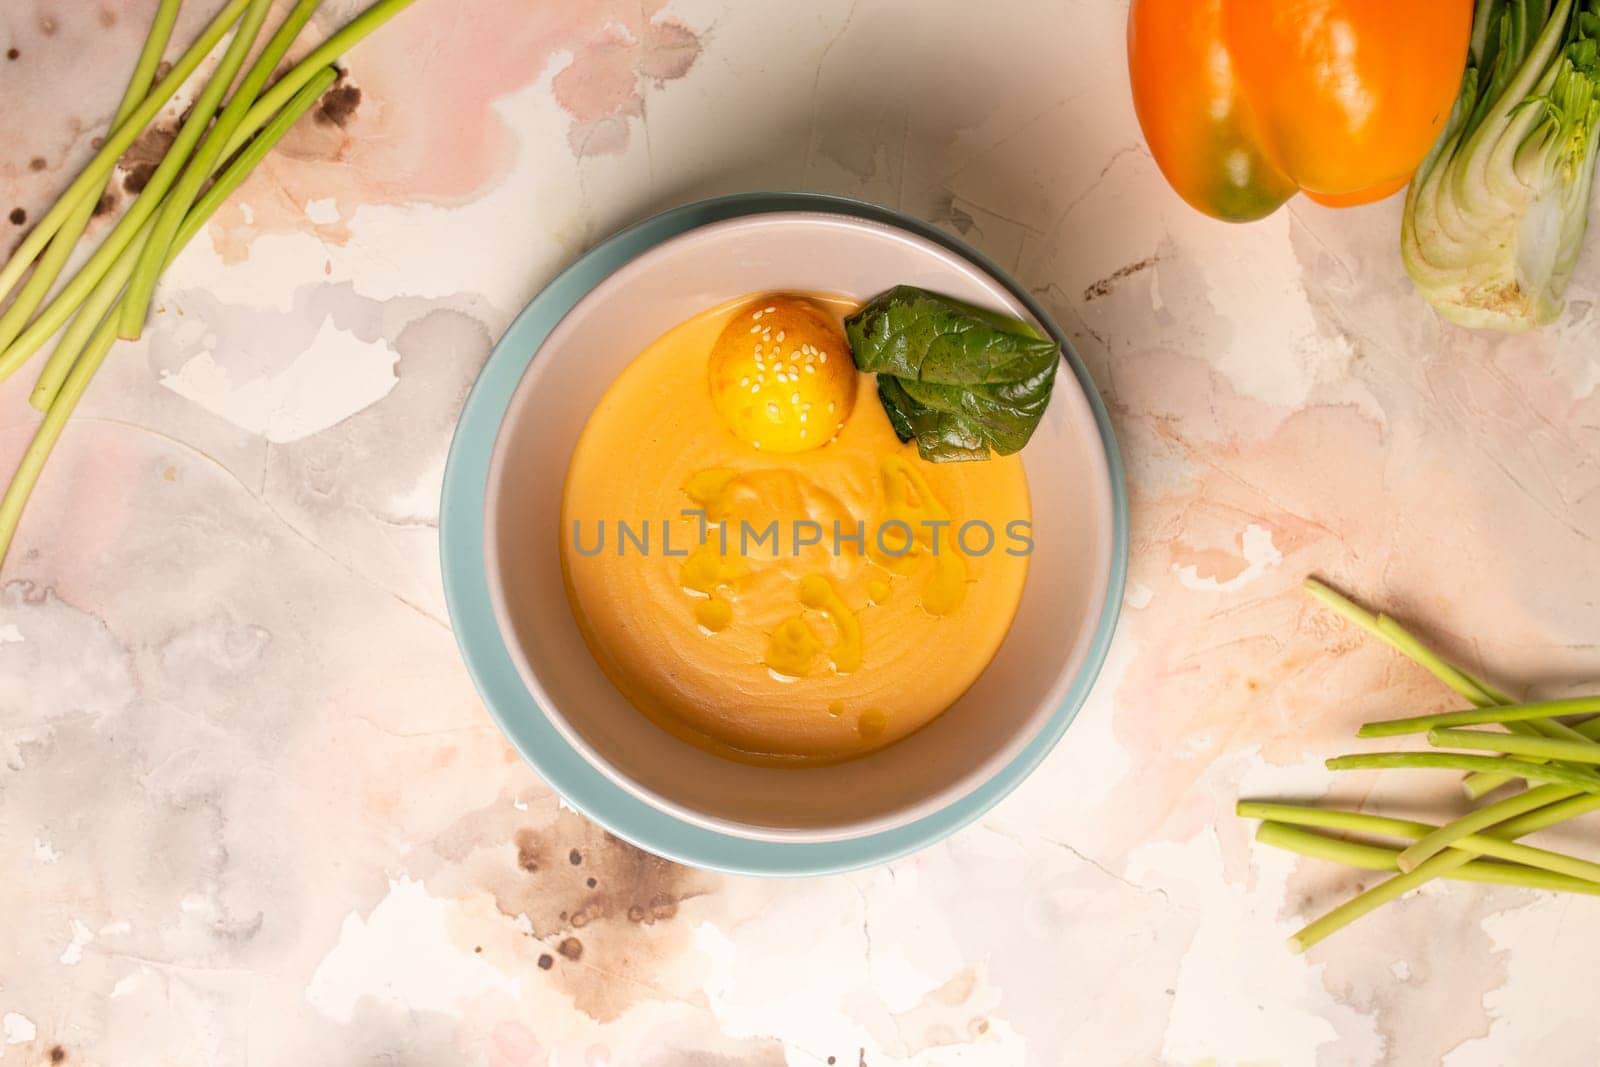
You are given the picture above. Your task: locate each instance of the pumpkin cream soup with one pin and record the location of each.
(759, 563)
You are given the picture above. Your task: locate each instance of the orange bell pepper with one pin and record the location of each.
(1246, 102)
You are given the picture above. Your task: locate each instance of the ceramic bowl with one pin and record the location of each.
(1069, 577)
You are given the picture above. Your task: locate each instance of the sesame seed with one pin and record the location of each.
(772, 409)
(803, 416)
(771, 309)
(780, 335)
(755, 329)
(755, 388)
(802, 431)
(830, 407)
(823, 357)
(757, 444)
(757, 315)
(794, 398)
(810, 369)
(745, 380)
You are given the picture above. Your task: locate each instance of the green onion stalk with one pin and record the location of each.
(1499, 714)
(1581, 751)
(1553, 773)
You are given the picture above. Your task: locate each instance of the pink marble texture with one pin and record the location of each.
(252, 812)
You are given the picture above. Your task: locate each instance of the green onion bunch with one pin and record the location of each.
(1551, 747)
(234, 121)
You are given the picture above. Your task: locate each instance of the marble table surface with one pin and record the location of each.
(252, 811)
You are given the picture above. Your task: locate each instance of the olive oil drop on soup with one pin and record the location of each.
(764, 601)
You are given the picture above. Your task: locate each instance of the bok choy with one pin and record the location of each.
(1496, 214)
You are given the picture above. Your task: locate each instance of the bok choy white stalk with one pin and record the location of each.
(1496, 214)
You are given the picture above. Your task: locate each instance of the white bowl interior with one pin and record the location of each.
(1068, 479)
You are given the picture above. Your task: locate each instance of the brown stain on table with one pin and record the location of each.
(599, 915)
(339, 104)
(1104, 286)
(140, 161)
(530, 851)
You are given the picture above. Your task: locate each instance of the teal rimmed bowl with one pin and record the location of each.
(553, 738)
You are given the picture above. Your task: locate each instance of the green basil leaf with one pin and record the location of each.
(960, 380)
